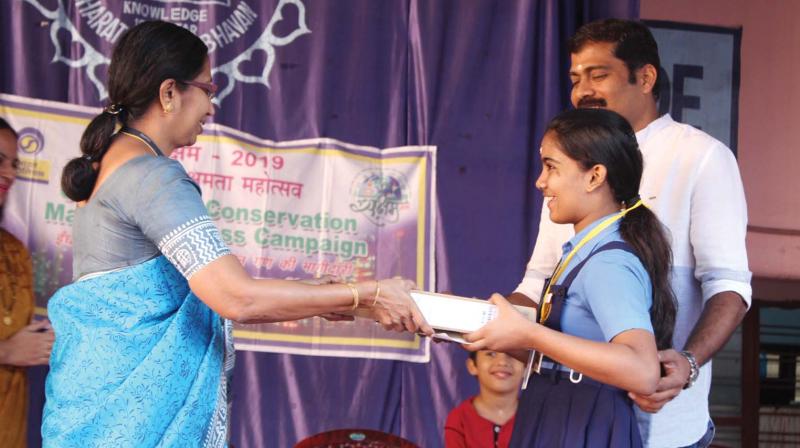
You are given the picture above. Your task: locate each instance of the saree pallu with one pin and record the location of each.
(138, 361)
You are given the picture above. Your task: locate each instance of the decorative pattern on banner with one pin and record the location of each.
(95, 26)
(295, 209)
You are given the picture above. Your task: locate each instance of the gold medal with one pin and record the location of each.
(8, 321)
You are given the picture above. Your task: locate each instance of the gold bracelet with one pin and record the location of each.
(353, 290)
(377, 293)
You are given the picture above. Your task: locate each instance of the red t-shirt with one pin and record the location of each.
(466, 429)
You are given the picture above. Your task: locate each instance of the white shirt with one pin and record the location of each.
(692, 183)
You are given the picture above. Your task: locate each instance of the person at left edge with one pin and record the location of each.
(22, 343)
(143, 347)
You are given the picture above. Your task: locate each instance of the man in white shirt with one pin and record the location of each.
(692, 182)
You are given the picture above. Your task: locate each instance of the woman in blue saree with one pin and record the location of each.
(143, 347)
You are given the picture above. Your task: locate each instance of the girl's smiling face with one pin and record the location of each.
(564, 183)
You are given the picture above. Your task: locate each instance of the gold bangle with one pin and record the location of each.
(353, 290)
(377, 293)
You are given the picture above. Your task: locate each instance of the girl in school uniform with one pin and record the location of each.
(608, 306)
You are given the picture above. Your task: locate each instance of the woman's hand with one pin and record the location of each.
(316, 281)
(327, 280)
(30, 346)
(510, 330)
(395, 309)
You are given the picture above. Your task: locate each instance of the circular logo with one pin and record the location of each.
(379, 195)
(30, 141)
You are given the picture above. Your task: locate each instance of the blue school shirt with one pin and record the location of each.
(612, 293)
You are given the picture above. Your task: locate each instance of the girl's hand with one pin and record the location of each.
(510, 330)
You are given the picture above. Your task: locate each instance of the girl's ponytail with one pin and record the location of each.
(641, 229)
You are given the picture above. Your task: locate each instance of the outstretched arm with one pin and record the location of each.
(229, 290)
(629, 361)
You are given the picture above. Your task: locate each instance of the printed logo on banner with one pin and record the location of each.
(31, 141)
(379, 195)
(29, 144)
(226, 26)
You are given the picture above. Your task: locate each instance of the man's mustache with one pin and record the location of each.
(592, 102)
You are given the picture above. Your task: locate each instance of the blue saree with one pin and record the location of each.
(138, 359)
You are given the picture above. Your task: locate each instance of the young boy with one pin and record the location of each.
(487, 419)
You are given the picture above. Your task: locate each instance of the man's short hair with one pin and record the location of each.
(634, 45)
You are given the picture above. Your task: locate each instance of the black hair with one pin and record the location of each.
(634, 45)
(603, 137)
(4, 126)
(145, 56)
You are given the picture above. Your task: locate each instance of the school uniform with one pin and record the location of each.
(691, 182)
(603, 291)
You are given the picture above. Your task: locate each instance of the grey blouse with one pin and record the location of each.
(147, 207)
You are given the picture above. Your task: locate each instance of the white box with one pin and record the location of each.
(455, 314)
